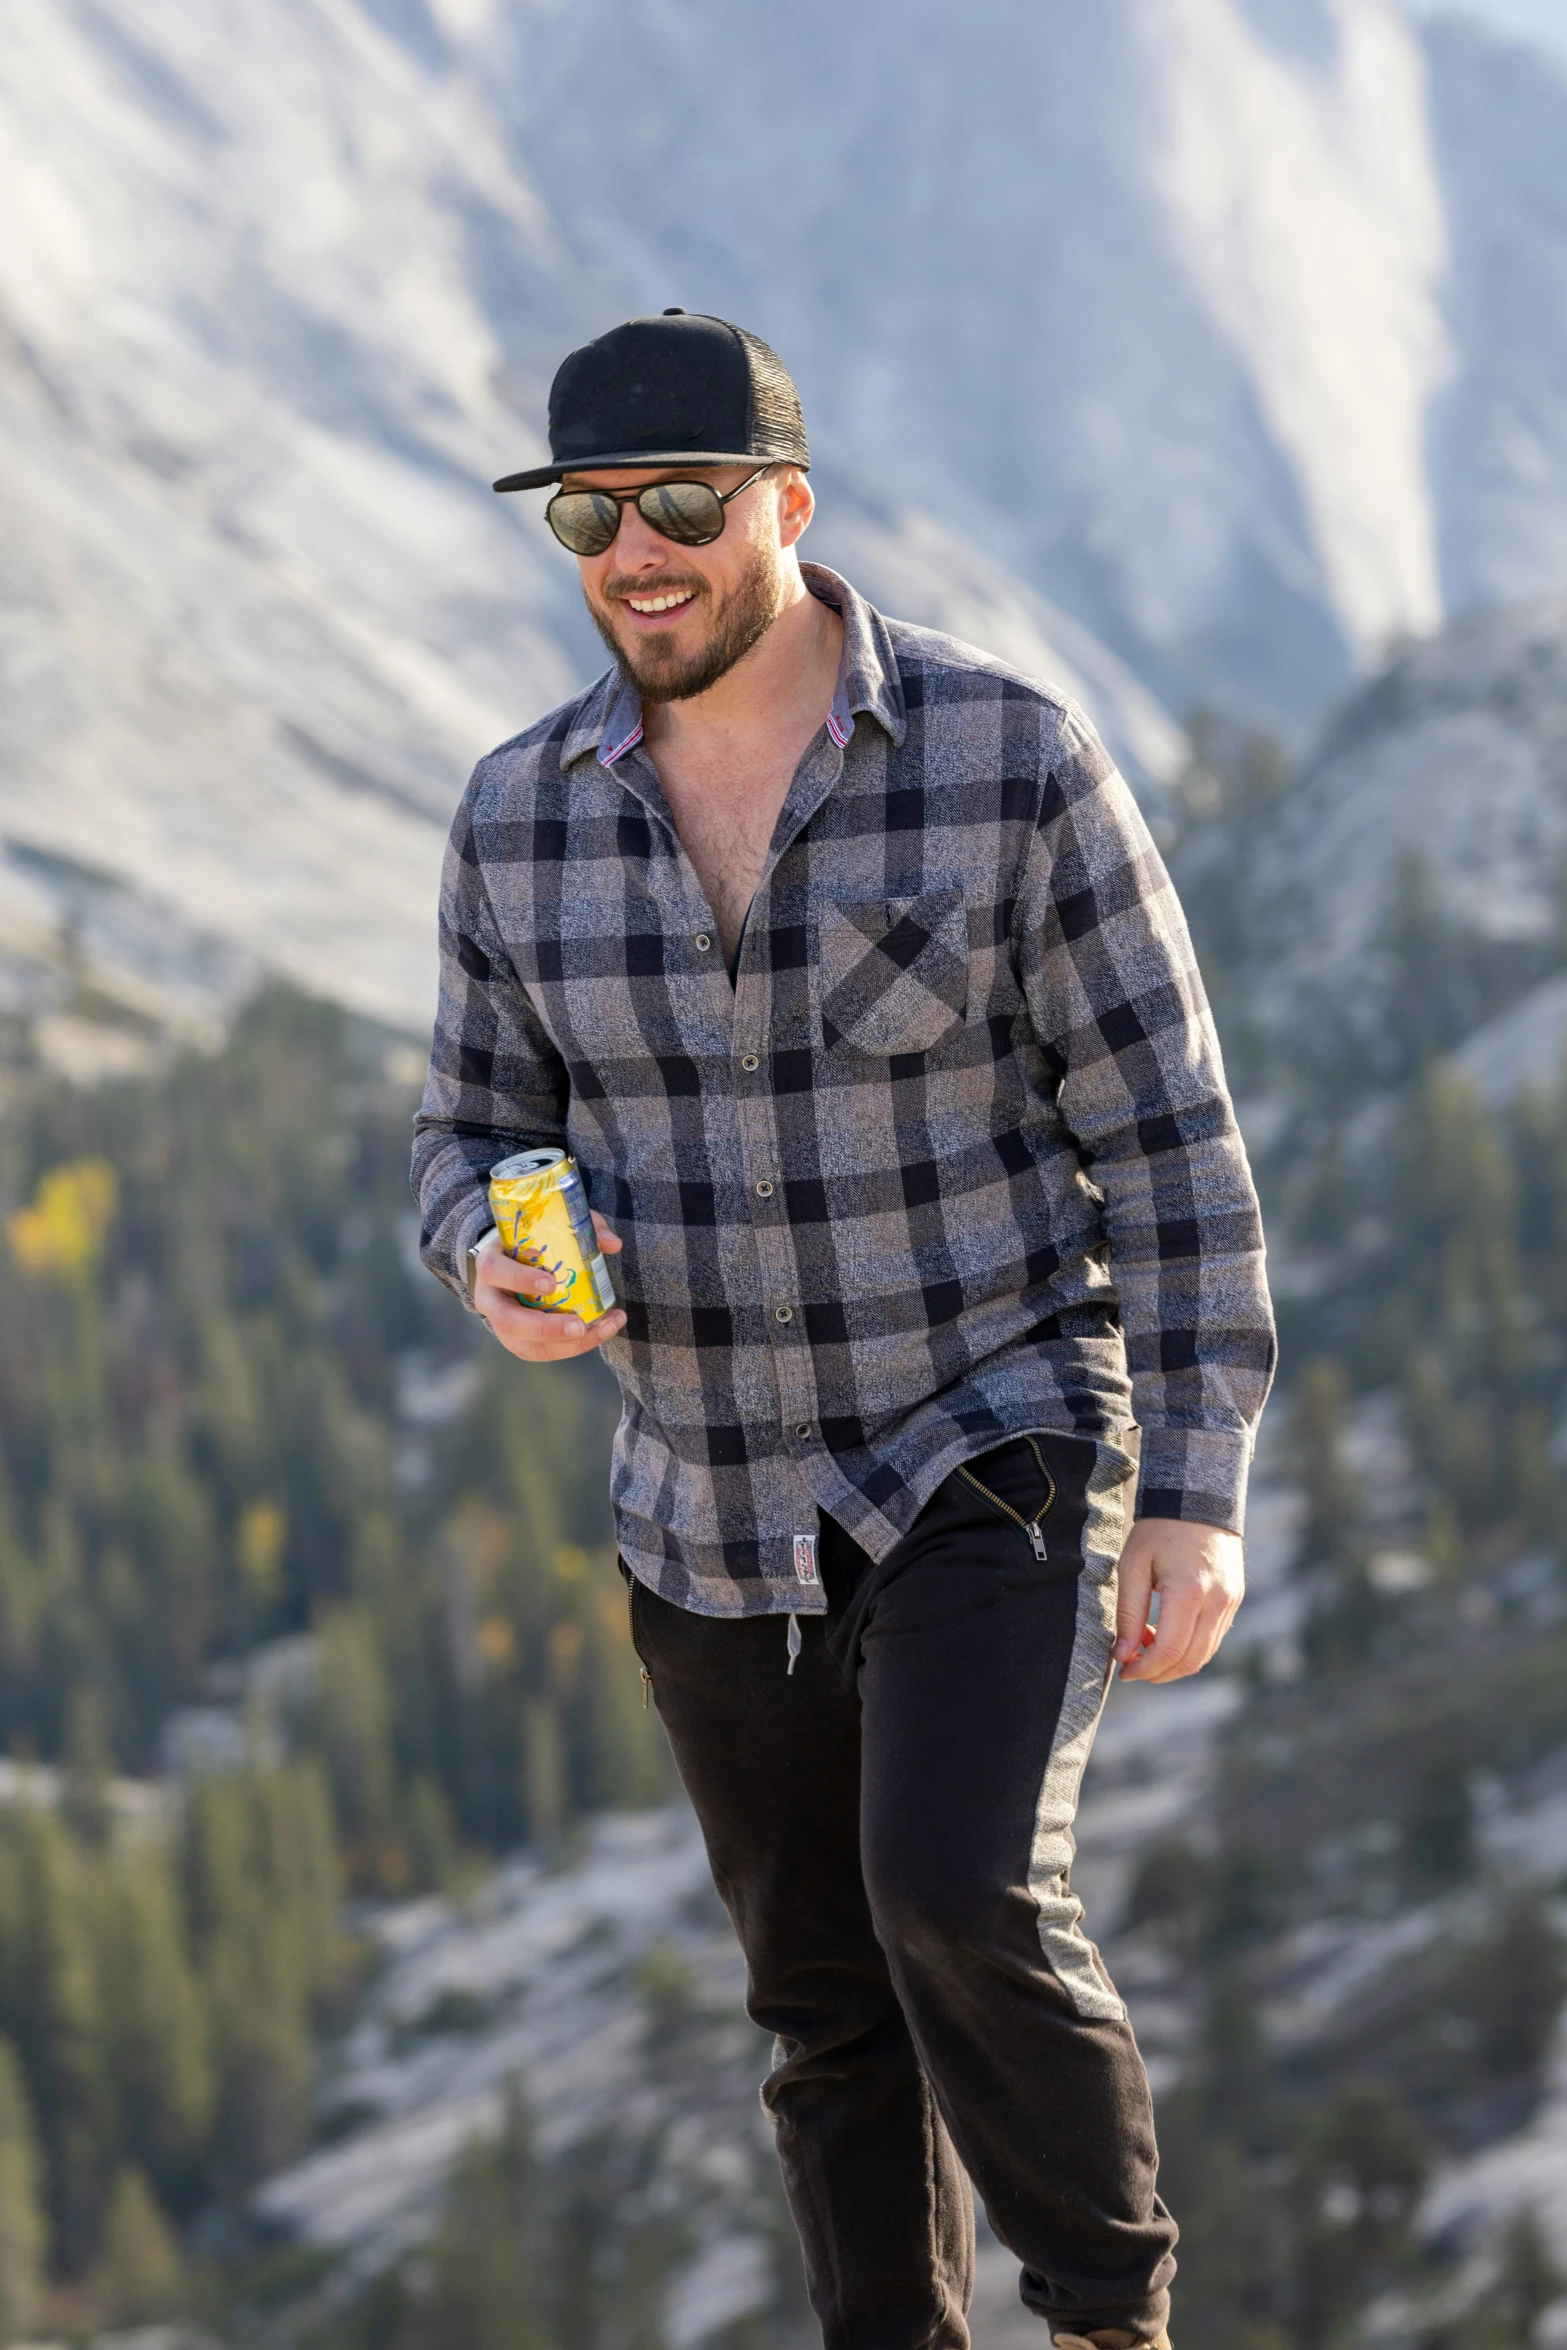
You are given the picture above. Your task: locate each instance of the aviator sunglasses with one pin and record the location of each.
(689, 512)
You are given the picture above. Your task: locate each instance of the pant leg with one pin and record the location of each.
(771, 1762)
(981, 1674)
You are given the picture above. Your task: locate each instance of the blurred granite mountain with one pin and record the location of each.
(1232, 324)
(1092, 382)
(279, 298)
(1399, 897)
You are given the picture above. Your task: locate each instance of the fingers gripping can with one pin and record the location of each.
(541, 1214)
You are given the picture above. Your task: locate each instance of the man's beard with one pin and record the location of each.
(653, 665)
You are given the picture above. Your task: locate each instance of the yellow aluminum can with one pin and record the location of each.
(541, 1214)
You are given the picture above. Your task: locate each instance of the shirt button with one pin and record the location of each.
(783, 1313)
(749, 1061)
(764, 1190)
(703, 942)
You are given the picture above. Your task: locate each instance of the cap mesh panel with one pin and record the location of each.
(777, 421)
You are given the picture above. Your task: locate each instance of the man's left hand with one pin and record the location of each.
(1199, 1573)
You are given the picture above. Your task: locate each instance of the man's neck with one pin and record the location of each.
(726, 758)
(778, 694)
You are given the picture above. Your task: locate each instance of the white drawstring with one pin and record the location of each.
(794, 1642)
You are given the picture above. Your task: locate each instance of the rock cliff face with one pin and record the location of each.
(1175, 316)
(1185, 307)
(1404, 895)
(1499, 429)
(280, 298)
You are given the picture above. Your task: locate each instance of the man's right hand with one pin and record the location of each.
(500, 1287)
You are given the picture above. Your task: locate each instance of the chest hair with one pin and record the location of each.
(726, 824)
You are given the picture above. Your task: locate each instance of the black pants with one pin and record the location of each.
(890, 1829)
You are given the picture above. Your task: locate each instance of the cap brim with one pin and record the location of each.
(540, 476)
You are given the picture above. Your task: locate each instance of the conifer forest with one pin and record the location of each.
(208, 1294)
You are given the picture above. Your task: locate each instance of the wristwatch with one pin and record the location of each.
(473, 1268)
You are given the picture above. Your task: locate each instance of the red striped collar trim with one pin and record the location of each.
(611, 753)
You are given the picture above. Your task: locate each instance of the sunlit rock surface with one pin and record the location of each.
(1092, 384)
(278, 300)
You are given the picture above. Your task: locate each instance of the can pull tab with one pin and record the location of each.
(1036, 1536)
(795, 1642)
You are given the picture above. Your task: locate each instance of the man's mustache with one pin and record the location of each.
(615, 591)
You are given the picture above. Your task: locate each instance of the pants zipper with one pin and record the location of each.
(633, 1588)
(1030, 1526)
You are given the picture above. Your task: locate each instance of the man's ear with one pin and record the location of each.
(796, 505)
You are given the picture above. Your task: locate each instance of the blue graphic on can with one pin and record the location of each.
(576, 1204)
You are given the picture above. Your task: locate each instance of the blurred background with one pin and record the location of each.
(360, 1982)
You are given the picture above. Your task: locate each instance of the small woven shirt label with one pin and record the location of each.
(805, 1558)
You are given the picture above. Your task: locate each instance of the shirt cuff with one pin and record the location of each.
(475, 1222)
(1199, 1474)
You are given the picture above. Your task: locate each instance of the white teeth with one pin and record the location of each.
(660, 603)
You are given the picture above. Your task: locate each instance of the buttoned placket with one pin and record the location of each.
(749, 1009)
(761, 1143)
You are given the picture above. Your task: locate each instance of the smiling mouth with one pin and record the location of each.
(671, 601)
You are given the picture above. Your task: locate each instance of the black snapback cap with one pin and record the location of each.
(675, 390)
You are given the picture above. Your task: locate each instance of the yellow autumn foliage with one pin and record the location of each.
(65, 1229)
(259, 1544)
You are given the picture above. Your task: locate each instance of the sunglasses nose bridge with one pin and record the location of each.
(635, 544)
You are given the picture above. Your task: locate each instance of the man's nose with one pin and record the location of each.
(638, 546)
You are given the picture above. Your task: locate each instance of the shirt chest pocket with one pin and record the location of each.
(893, 973)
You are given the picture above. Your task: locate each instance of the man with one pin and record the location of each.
(838, 955)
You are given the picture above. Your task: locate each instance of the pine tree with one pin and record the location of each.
(485, 2255)
(1361, 2159)
(543, 1771)
(1343, 1613)
(259, 1865)
(170, 1531)
(23, 2235)
(139, 2268)
(261, 2037)
(432, 1838)
(53, 2014)
(156, 2030)
(90, 1767)
(482, 2282)
(295, 1843)
(352, 1732)
(19, 1606)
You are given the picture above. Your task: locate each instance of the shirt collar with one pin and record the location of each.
(868, 680)
(610, 718)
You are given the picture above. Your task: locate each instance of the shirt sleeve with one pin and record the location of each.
(496, 1084)
(1122, 1020)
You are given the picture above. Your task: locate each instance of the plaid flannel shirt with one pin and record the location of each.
(950, 1157)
